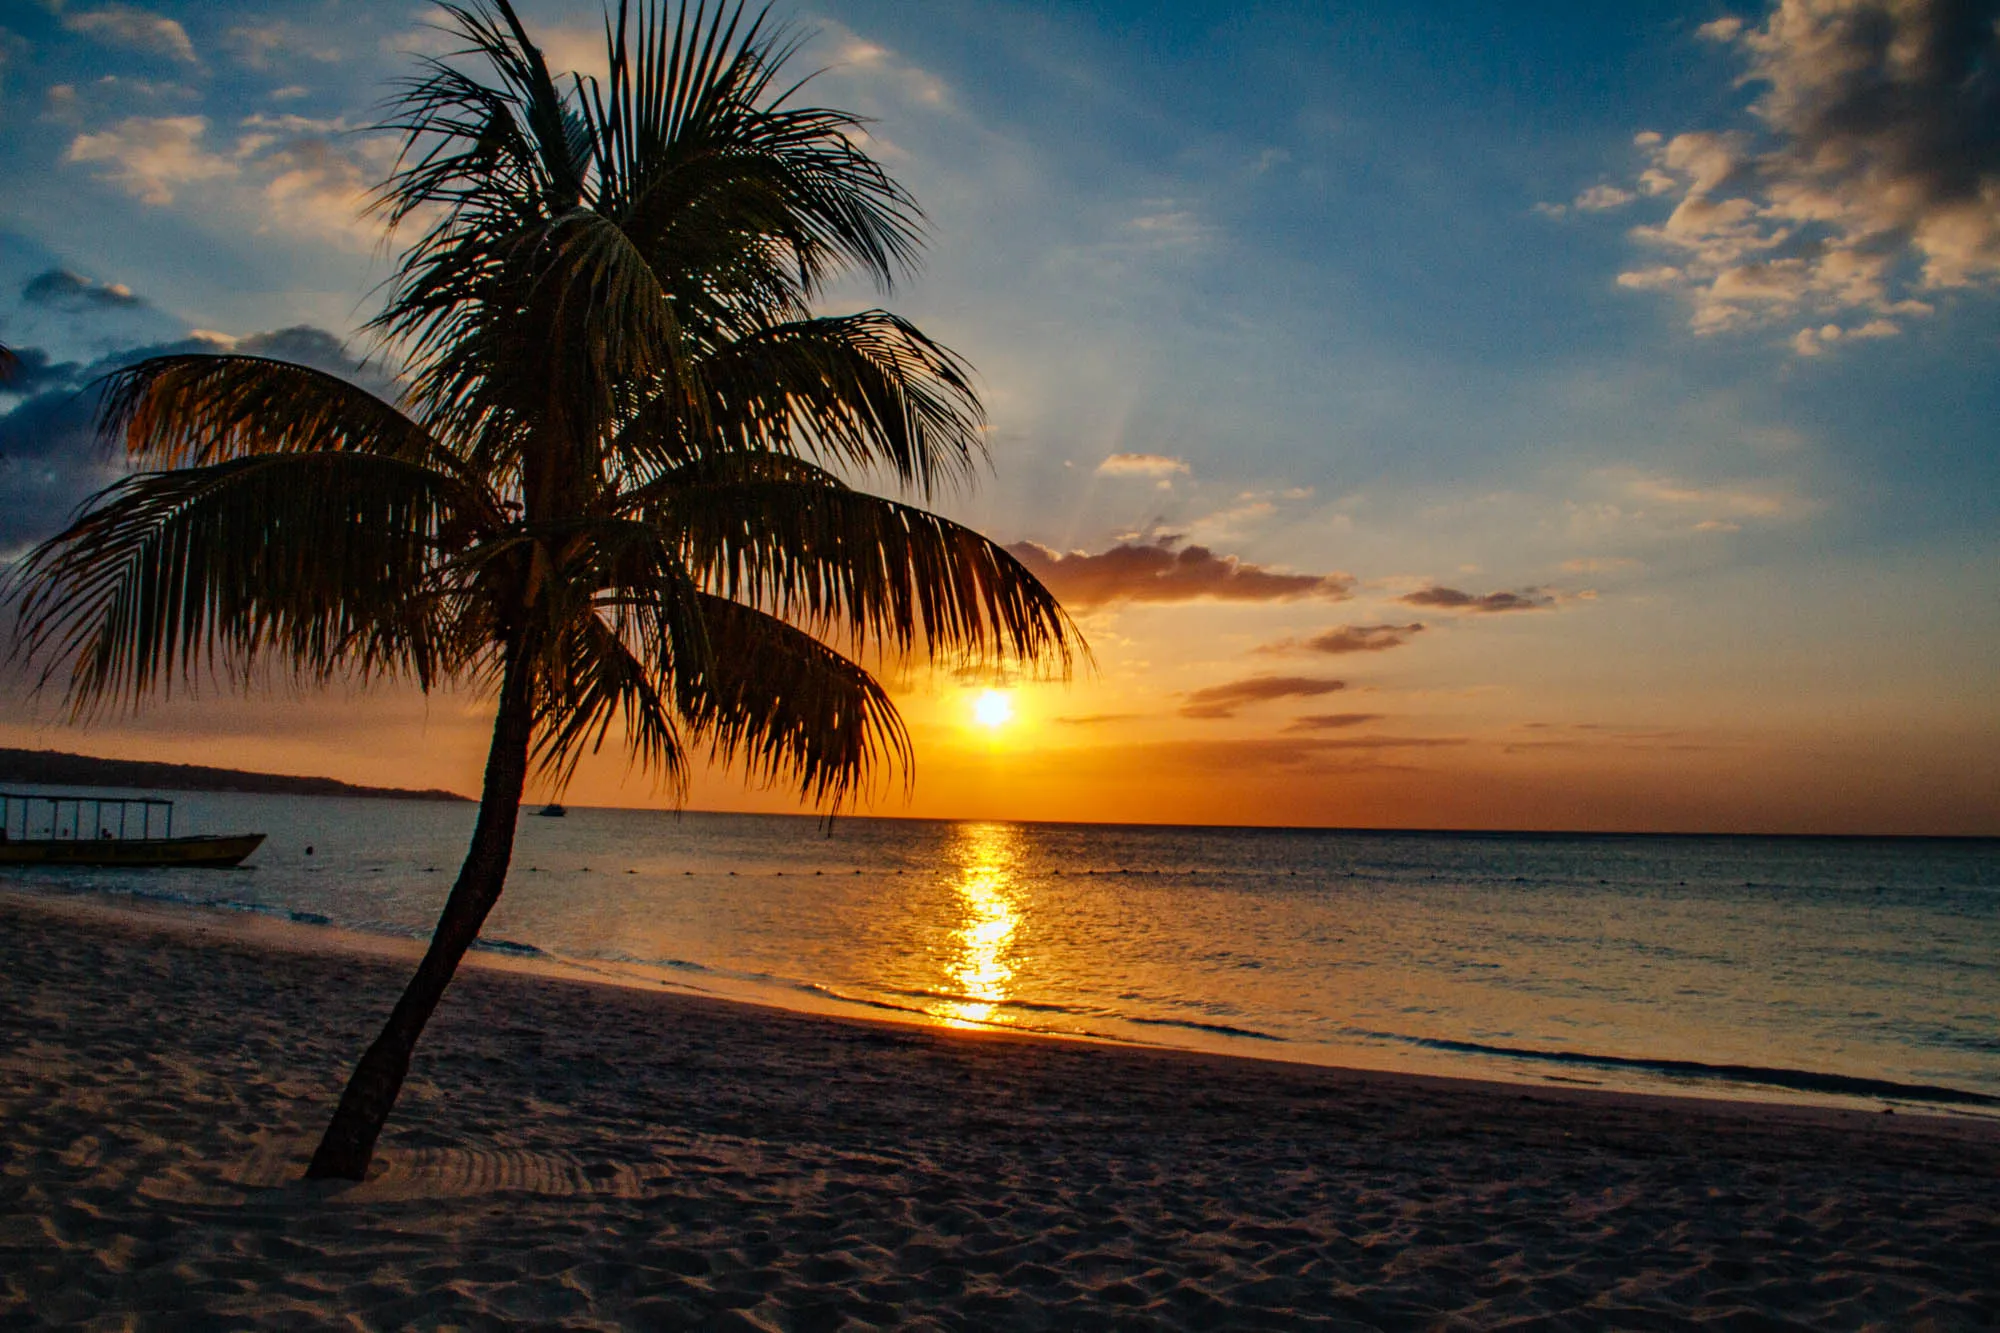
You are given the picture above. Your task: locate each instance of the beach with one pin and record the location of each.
(593, 1156)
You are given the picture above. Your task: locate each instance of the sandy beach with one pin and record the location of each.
(587, 1156)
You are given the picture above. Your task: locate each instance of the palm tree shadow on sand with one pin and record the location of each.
(612, 492)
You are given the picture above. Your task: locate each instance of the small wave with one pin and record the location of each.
(514, 947)
(1793, 1080)
(953, 997)
(670, 964)
(1223, 1029)
(814, 988)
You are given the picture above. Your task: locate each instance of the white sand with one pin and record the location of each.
(593, 1157)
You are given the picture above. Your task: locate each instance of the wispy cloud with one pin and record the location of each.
(262, 45)
(1095, 719)
(1452, 599)
(1218, 701)
(1348, 639)
(1739, 500)
(1331, 721)
(140, 29)
(1158, 572)
(1142, 465)
(1601, 564)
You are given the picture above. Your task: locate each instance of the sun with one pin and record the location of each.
(993, 709)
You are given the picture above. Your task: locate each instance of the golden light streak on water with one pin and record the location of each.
(980, 965)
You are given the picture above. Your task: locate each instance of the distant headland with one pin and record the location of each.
(55, 768)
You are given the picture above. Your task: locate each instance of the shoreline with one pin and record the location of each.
(569, 1151)
(268, 929)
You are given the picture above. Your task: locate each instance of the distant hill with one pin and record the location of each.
(54, 768)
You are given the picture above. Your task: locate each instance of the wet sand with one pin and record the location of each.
(577, 1155)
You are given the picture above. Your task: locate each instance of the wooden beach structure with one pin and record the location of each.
(39, 829)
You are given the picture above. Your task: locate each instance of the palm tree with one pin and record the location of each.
(608, 493)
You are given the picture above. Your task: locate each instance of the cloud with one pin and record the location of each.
(1604, 198)
(1871, 180)
(1750, 501)
(1223, 700)
(64, 290)
(126, 25)
(302, 174)
(51, 459)
(1331, 721)
(1814, 342)
(151, 157)
(1159, 573)
(254, 45)
(32, 372)
(1141, 465)
(1094, 719)
(1165, 227)
(1596, 564)
(1348, 639)
(1451, 599)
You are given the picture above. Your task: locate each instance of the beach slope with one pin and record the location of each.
(577, 1155)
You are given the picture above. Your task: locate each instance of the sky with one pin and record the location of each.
(1444, 415)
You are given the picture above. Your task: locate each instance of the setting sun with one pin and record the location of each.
(993, 709)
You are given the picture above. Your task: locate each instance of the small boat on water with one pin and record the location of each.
(553, 810)
(108, 831)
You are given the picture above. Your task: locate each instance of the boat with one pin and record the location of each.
(553, 810)
(129, 831)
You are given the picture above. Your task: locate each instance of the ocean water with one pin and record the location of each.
(1854, 971)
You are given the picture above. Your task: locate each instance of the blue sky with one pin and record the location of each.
(1558, 301)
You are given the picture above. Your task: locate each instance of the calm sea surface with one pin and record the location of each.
(1804, 968)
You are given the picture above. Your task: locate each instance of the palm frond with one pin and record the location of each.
(781, 704)
(598, 681)
(8, 361)
(321, 563)
(788, 537)
(201, 408)
(742, 206)
(702, 154)
(867, 390)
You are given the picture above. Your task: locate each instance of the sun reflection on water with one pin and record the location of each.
(980, 959)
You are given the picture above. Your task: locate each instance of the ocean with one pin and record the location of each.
(1850, 971)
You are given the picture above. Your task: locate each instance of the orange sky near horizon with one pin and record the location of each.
(1390, 750)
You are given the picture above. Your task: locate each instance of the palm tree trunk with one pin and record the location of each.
(349, 1142)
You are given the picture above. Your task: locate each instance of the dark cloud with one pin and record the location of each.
(51, 458)
(1348, 639)
(32, 372)
(1224, 700)
(1872, 178)
(1157, 572)
(1451, 599)
(63, 290)
(1331, 721)
(304, 344)
(1095, 719)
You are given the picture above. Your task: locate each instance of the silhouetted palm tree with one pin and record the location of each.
(605, 494)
